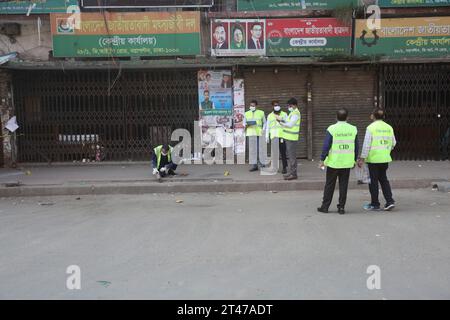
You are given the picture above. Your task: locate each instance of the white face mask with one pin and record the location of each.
(252, 108)
(291, 109)
(277, 108)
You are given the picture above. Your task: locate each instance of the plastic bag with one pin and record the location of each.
(362, 174)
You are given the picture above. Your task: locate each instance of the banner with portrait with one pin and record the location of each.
(238, 37)
(238, 116)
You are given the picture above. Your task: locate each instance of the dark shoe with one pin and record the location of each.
(389, 207)
(284, 171)
(323, 210)
(289, 178)
(253, 169)
(341, 211)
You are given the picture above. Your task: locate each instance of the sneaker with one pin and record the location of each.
(341, 210)
(323, 210)
(389, 207)
(370, 207)
(253, 169)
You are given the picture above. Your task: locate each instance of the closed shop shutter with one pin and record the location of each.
(417, 102)
(353, 89)
(64, 116)
(265, 86)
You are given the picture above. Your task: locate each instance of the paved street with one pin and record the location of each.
(258, 245)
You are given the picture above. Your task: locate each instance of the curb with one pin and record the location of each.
(194, 187)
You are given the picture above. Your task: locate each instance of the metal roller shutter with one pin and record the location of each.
(265, 85)
(353, 89)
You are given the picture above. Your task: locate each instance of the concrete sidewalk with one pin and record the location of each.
(136, 178)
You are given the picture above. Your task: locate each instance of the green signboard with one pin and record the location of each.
(412, 3)
(404, 37)
(36, 6)
(126, 34)
(267, 5)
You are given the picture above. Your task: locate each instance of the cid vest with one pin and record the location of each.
(275, 129)
(157, 151)
(254, 130)
(292, 134)
(342, 151)
(382, 141)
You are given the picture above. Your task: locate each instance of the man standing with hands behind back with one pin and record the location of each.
(339, 154)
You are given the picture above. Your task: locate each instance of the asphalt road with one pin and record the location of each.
(258, 245)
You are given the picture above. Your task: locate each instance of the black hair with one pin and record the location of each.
(378, 114)
(342, 114)
(254, 101)
(292, 101)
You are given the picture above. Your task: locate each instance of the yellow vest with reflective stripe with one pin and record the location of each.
(292, 134)
(342, 151)
(254, 130)
(382, 141)
(157, 151)
(275, 129)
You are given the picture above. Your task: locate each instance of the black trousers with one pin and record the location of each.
(171, 167)
(377, 173)
(330, 184)
(282, 148)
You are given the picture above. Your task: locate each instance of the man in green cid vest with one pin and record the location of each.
(254, 122)
(162, 161)
(339, 155)
(291, 131)
(274, 132)
(379, 141)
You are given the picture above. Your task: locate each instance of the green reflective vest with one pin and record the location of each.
(254, 130)
(157, 151)
(274, 127)
(292, 134)
(342, 151)
(382, 142)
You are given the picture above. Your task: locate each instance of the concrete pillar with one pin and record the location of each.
(6, 112)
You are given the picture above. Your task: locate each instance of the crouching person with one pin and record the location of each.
(162, 161)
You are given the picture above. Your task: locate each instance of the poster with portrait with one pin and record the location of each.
(238, 37)
(238, 116)
(215, 105)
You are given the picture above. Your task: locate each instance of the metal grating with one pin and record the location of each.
(417, 103)
(66, 115)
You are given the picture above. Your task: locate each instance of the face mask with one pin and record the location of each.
(252, 108)
(291, 109)
(277, 108)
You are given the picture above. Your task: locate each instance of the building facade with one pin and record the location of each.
(111, 88)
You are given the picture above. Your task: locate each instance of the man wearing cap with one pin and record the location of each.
(162, 161)
(274, 132)
(291, 130)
